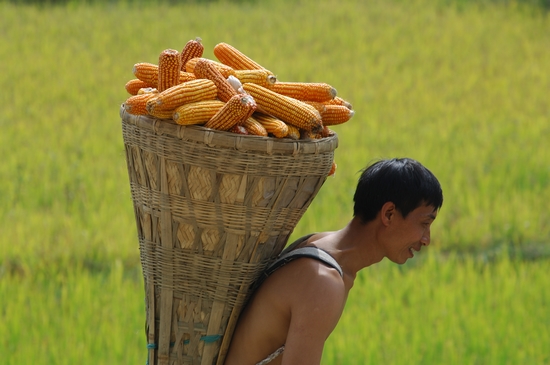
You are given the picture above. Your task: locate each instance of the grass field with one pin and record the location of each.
(460, 85)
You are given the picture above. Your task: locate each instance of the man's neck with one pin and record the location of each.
(354, 246)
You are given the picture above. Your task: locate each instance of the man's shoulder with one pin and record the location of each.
(306, 289)
(314, 290)
(310, 276)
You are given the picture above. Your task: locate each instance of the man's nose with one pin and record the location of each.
(425, 238)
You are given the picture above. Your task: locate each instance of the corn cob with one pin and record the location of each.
(287, 109)
(232, 113)
(272, 125)
(149, 73)
(231, 56)
(135, 104)
(192, 49)
(252, 109)
(254, 127)
(169, 69)
(133, 86)
(198, 112)
(336, 114)
(225, 70)
(332, 169)
(162, 114)
(305, 91)
(238, 86)
(261, 77)
(187, 92)
(321, 107)
(293, 132)
(205, 69)
(339, 101)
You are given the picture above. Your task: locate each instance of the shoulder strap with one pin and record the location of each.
(288, 256)
(308, 251)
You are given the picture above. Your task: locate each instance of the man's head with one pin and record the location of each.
(402, 181)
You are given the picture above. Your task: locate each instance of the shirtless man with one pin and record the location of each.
(298, 305)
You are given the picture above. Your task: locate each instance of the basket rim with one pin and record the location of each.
(212, 137)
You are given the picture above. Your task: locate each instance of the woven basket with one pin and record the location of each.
(212, 209)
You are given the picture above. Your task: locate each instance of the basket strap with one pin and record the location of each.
(292, 253)
(308, 251)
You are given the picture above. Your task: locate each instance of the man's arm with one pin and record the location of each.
(316, 299)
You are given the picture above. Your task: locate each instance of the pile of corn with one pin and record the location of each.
(233, 94)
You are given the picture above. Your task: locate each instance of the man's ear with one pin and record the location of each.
(387, 213)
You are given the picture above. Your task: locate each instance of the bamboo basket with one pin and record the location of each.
(212, 209)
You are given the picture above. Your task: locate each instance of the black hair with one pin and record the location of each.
(402, 181)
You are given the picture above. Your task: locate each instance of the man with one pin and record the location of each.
(297, 306)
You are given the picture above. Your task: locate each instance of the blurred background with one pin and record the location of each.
(460, 85)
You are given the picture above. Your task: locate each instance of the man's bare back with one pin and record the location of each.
(265, 324)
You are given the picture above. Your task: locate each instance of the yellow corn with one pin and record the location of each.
(261, 77)
(225, 70)
(336, 114)
(169, 69)
(254, 127)
(289, 110)
(231, 56)
(238, 107)
(305, 91)
(149, 73)
(339, 101)
(272, 125)
(162, 114)
(187, 92)
(317, 105)
(136, 104)
(332, 169)
(198, 112)
(205, 69)
(133, 86)
(192, 49)
(293, 132)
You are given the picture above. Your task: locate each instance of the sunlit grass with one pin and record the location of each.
(435, 311)
(446, 311)
(463, 91)
(73, 316)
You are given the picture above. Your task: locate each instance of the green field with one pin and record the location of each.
(461, 86)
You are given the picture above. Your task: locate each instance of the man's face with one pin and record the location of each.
(408, 235)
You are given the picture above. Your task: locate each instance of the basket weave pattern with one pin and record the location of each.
(212, 209)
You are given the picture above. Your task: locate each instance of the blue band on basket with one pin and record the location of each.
(207, 339)
(211, 338)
